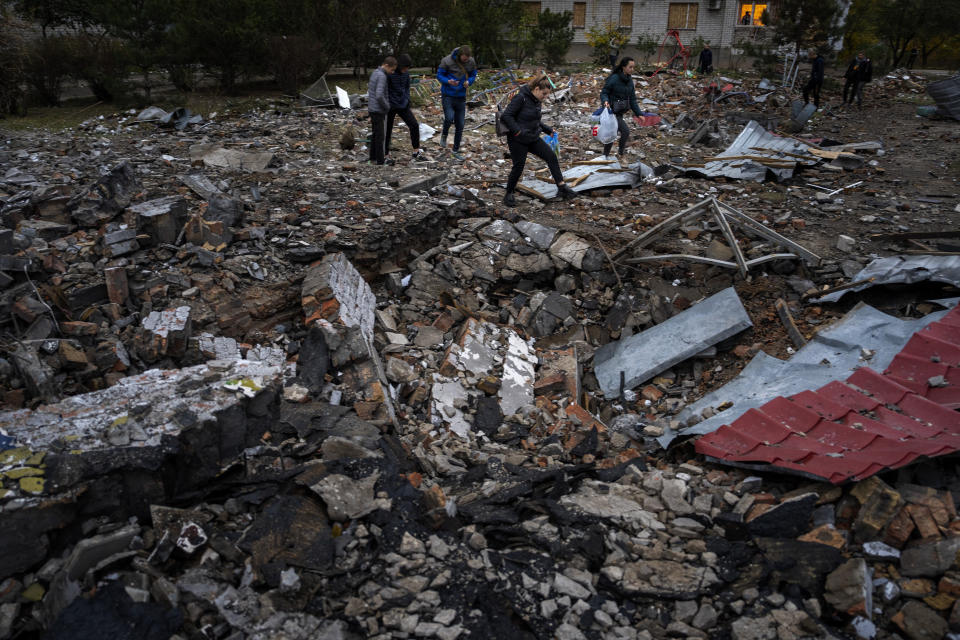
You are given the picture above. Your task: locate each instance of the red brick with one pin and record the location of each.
(78, 328)
(899, 530)
(651, 393)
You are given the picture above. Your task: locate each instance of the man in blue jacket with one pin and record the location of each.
(456, 72)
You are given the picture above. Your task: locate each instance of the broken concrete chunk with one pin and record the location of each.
(642, 356)
(107, 197)
(335, 291)
(570, 248)
(537, 234)
(516, 389)
(164, 333)
(346, 498)
(213, 154)
(423, 183)
(161, 219)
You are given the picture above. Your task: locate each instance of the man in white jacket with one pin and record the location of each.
(378, 105)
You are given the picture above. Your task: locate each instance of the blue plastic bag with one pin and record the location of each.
(553, 142)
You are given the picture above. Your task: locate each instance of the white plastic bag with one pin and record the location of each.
(607, 130)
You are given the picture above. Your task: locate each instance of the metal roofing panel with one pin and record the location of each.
(947, 95)
(754, 140)
(914, 421)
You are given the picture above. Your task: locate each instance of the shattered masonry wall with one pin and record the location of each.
(146, 439)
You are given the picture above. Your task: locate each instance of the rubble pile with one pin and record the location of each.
(255, 388)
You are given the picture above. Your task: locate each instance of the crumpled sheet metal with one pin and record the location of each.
(904, 270)
(178, 118)
(754, 140)
(947, 95)
(832, 354)
(628, 177)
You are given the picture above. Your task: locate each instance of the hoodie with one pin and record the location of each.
(450, 69)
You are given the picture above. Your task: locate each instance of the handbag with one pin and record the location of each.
(499, 125)
(620, 105)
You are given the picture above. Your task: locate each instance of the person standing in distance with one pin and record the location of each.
(399, 89)
(522, 118)
(378, 105)
(456, 72)
(815, 83)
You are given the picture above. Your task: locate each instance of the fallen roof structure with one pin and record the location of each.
(854, 429)
(726, 218)
(755, 152)
(586, 175)
(865, 337)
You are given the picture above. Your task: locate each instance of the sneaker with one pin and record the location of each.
(566, 193)
(443, 142)
(388, 161)
(509, 200)
(419, 156)
(456, 155)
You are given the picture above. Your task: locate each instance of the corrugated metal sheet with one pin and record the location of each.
(947, 95)
(903, 270)
(756, 141)
(871, 422)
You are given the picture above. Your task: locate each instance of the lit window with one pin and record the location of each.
(682, 15)
(753, 14)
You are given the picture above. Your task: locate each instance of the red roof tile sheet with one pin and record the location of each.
(871, 422)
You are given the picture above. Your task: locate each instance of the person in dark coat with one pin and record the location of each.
(378, 105)
(913, 58)
(619, 96)
(456, 73)
(706, 60)
(522, 118)
(815, 83)
(398, 88)
(859, 73)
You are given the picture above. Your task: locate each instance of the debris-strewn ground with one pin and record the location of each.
(254, 387)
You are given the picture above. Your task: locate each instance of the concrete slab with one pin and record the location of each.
(642, 356)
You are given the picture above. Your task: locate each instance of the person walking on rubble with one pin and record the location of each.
(398, 87)
(456, 72)
(522, 118)
(859, 73)
(618, 95)
(706, 60)
(815, 83)
(378, 105)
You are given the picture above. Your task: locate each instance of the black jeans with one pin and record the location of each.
(406, 114)
(624, 136)
(518, 155)
(856, 93)
(378, 147)
(814, 88)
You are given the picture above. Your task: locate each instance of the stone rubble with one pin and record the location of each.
(260, 390)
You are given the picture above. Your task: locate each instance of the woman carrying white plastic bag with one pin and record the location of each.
(619, 96)
(607, 129)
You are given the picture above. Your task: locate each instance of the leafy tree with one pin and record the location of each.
(12, 64)
(142, 27)
(603, 37)
(226, 36)
(479, 23)
(807, 22)
(647, 45)
(555, 35)
(523, 35)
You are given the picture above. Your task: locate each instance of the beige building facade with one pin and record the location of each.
(721, 23)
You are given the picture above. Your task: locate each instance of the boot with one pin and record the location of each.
(566, 192)
(509, 200)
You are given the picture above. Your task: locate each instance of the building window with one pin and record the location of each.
(626, 15)
(753, 14)
(579, 15)
(531, 10)
(683, 15)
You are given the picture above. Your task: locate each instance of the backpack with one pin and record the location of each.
(498, 124)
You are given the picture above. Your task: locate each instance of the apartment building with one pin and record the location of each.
(721, 23)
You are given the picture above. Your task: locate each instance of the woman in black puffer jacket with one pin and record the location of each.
(522, 118)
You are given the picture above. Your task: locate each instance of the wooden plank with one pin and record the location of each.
(683, 256)
(784, 312)
(916, 235)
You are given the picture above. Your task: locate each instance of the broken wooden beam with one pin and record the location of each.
(788, 323)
